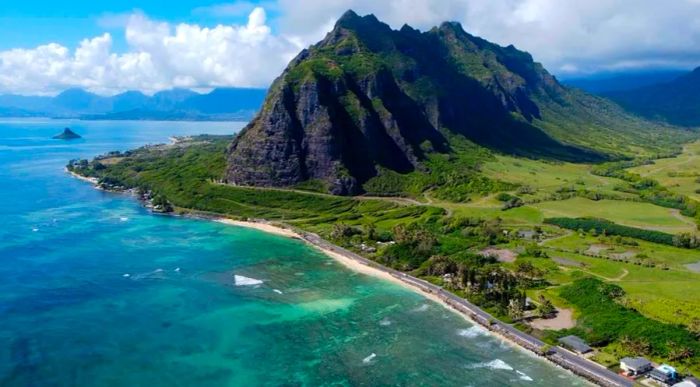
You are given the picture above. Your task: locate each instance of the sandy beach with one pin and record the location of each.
(360, 267)
(91, 180)
(349, 263)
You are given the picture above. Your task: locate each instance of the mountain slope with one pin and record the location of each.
(368, 98)
(677, 101)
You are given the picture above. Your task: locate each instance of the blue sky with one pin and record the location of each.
(29, 23)
(150, 45)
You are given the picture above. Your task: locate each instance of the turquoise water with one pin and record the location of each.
(95, 291)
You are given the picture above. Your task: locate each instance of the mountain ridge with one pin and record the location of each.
(676, 101)
(368, 98)
(219, 104)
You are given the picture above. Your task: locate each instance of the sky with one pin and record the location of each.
(107, 47)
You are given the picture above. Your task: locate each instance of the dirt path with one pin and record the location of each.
(543, 241)
(677, 214)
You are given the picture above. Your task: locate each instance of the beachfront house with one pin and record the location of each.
(688, 382)
(576, 344)
(634, 366)
(664, 374)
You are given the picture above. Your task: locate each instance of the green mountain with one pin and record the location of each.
(676, 102)
(368, 99)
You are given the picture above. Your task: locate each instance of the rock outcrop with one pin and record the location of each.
(67, 134)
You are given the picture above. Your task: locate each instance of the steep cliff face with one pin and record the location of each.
(368, 96)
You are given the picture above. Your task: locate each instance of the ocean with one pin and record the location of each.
(96, 291)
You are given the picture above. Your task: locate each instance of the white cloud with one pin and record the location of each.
(160, 56)
(568, 36)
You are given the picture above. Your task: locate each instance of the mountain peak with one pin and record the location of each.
(352, 21)
(367, 99)
(348, 15)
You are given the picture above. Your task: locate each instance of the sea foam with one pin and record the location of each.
(523, 376)
(240, 280)
(369, 358)
(472, 332)
(497, 364)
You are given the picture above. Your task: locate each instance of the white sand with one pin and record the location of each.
(92, 180)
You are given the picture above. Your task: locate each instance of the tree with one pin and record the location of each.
(637, 346)
(678, 352)
(371, 232)
(694, 326)
(515, 309)
(545, 308)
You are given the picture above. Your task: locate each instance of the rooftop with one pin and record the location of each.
(576, 343)
(636, 362)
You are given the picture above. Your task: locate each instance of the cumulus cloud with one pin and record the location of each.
(160, 56)
(567, 36)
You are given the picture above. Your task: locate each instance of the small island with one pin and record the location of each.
(67, 134)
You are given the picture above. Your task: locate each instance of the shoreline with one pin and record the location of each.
(92, 180)
(559, 357)
(349, 263)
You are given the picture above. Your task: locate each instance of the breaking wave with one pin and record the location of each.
(240, 280)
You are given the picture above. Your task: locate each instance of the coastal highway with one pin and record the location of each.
(577, 364)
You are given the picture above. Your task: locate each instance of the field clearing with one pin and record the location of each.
(678, 174)
(628, 213)
(547, 176)
(666, 295)
(674, 257)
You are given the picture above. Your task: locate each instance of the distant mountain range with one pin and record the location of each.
(606, 83)
(176, 104)
(676, 101)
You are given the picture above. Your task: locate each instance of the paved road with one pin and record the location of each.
(566, 359)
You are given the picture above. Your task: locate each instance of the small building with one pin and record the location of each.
(664, 374)
(527, 234)
(634, 366)
(575, 344)
(688, 382)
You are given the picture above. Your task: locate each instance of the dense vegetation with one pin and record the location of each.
(606, 227)
(604, 320)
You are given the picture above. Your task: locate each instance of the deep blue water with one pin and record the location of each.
(95, 291)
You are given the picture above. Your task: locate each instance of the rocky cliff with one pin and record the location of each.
(369, 97)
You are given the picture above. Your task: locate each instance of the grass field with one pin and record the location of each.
(679, 174)
(545, 176)
(628, 213)
(663, 292)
